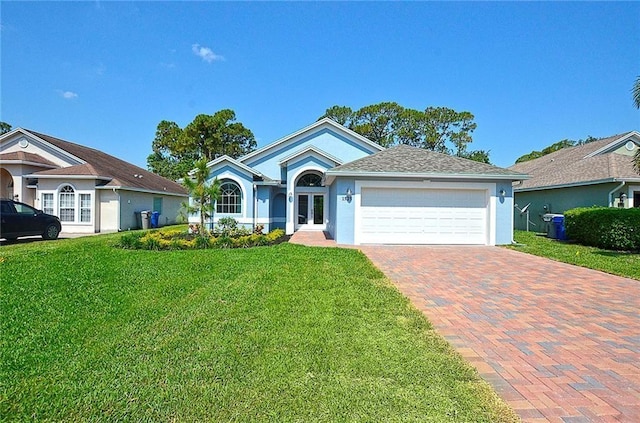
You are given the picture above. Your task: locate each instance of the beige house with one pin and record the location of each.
(90, 191)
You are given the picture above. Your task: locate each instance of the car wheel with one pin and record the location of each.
(51, 232)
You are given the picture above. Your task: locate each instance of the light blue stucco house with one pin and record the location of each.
(327, 177)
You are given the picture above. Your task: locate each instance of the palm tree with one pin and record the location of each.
(636, 100)
(202, 193)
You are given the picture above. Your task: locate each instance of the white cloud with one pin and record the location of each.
(67, 95)
(205, 53)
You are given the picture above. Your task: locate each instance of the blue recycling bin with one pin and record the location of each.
(155, 216)
(558, 222)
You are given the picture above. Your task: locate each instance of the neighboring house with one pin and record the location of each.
(89, 191)
(599, 173)
(327, 177)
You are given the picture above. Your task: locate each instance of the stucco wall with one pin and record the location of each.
(558, 201)
(80, 186)
(504, 213)
(326, 140)
(132, 201)
(344, 210)
(245, 182)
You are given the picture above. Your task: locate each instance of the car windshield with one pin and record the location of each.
(24, 209)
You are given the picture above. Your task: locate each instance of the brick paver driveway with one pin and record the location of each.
(558, 342)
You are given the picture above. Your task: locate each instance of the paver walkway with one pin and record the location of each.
(558, 342)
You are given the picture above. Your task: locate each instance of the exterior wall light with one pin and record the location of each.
(290, 196)
(502, 193)
(349, 195)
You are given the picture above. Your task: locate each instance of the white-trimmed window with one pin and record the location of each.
(47, 203)
(310, 180)
(85, 208)
(230, 200)
(67, 204)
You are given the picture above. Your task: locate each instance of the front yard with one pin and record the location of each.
(283, 333)
(615, 262)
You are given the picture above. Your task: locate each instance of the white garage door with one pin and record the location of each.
(423, 216)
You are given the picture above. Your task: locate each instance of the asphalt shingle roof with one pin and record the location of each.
(26, 157)
(101, 165)
(407, 159)
(572, 166)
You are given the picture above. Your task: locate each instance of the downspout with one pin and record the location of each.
(614, 190)
(115, 191)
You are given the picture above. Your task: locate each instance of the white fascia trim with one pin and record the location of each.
(146, 191)
(64, 152)
(234, 162)
(613, 144)
(331, 175)
(36, 176)
(313, 126)
(311, 149)
(577, 184)
(26, 162)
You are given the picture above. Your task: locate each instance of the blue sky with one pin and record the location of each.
(104, 74)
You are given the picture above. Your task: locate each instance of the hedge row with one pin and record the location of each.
(604, 227)
(173, 239)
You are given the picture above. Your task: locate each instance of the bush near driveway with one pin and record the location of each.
(604, 227)
(178, 239)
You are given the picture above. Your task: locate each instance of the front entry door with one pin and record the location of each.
(311, 211)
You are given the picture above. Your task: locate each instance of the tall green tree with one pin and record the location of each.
(4, 128)
(203, 193)
(436, 128)
(555, 147)
(175, 150)
(377, 122)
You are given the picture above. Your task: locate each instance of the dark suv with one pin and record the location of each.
(18, 219)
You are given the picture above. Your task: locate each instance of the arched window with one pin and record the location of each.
(230, 198)
(310, 180)
(67, 204)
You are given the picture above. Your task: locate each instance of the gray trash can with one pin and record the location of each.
(146, 219)
(552, 228)
(138, 220)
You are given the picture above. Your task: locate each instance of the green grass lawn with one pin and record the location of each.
(614, 262)
(283, 333)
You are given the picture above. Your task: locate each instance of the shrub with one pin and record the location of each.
(228, 227)
(130, 241)
(604, 227)
(175, 239)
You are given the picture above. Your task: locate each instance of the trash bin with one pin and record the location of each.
(138, 220)
(551, 226)
(146, 219)
(558, 223)
(155, 216)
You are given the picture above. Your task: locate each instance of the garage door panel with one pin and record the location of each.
(423, 216)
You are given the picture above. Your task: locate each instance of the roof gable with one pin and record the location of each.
(222, 160)
(325, 123)
(22, 140)
(309, 151)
